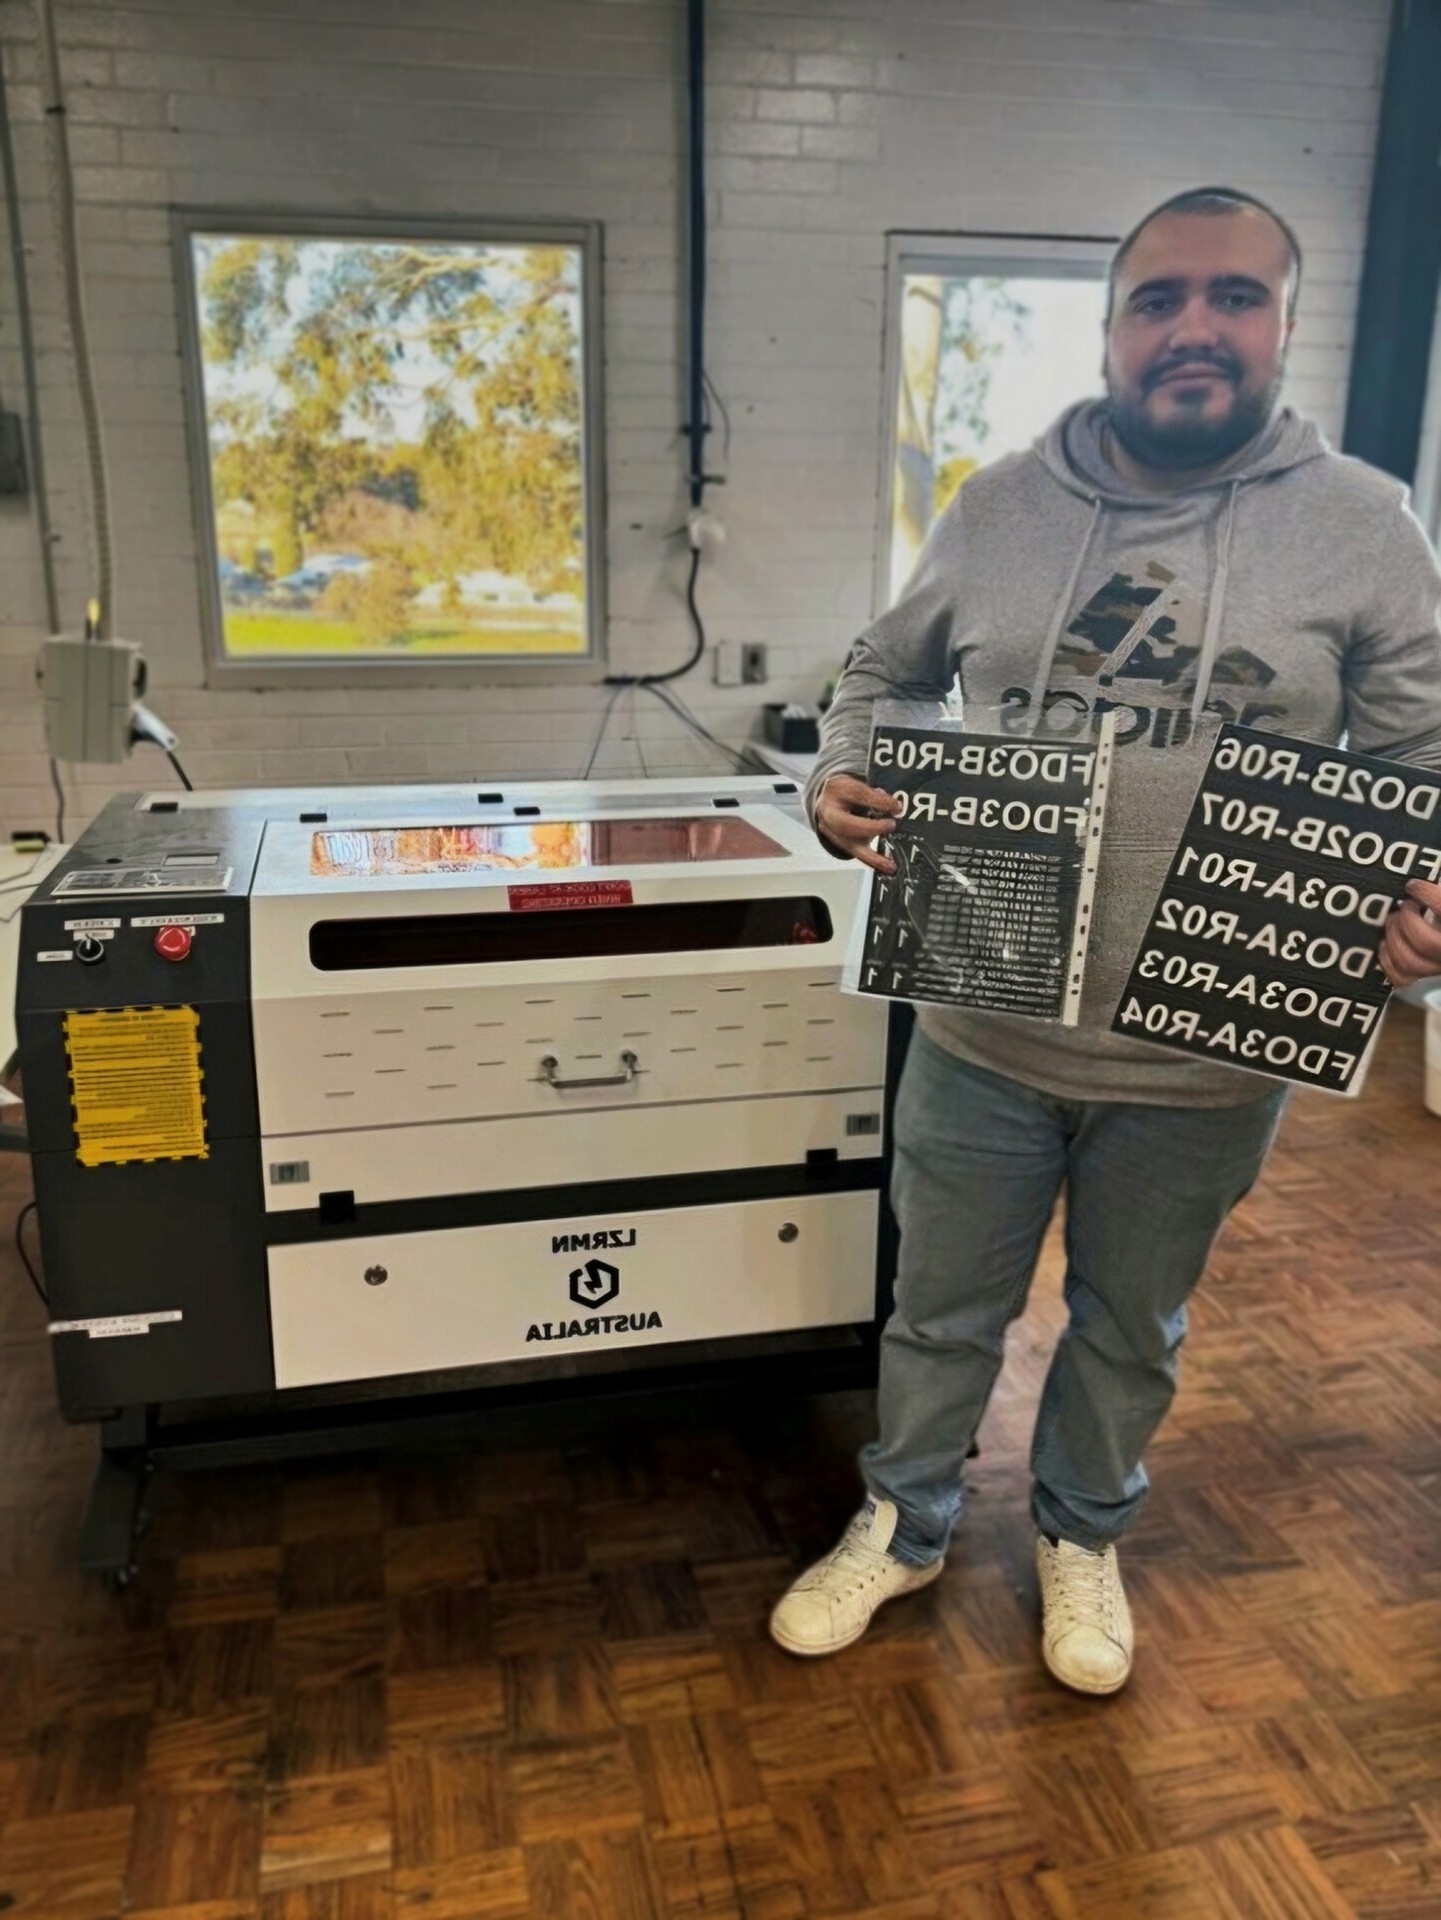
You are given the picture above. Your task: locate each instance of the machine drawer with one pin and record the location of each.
(328, 1063)
(493, 1156)
(421, 1302)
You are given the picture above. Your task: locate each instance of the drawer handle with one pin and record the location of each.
(629, 1068)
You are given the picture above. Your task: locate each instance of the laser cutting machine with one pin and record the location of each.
(422, 1098)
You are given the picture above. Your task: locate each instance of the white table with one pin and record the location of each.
(791, 766)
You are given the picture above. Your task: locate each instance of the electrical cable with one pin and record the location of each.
(21, 885)
(635, 734)
(600, 731)
(29, 367)
(63, 186)
(678, 702)
(694, 657)
(184, 777)
(725, 419)
(659, 679)
(59, 801)
(688, 719)
(20, 1218)
(22, 880)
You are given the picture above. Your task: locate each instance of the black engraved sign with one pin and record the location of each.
(1261, 952)
(995, 861)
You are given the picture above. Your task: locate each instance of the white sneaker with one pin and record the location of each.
(830, 1606)
(1086, 1634)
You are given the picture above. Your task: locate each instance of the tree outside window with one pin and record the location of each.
(397, 436)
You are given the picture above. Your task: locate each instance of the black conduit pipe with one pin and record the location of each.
(35, 450)
(695, 370)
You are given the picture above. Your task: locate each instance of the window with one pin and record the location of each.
(987, 341)
(396, 436)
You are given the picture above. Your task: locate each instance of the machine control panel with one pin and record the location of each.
(171, 936)
(145, 911)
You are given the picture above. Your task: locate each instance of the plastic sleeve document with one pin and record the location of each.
(996, 854)
(1262, 948)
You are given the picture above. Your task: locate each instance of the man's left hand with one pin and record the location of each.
(1411, 945)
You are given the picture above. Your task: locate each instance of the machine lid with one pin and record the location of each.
(546, 846)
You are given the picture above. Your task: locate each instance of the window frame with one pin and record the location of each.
(355, 670)
(1426, 499)
(1047, 256)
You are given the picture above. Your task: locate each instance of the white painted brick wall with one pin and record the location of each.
(830, 122)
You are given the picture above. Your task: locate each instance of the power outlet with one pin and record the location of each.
(753, 665)
(729, 663)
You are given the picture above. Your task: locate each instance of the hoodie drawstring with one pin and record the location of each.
(1063, 606)
(1215, 606)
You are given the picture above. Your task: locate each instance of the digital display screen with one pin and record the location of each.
(375, 853)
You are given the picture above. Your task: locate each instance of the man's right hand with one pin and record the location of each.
(850, 815)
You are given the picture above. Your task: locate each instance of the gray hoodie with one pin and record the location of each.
(1293, 592)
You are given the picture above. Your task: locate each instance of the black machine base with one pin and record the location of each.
(140, 1442)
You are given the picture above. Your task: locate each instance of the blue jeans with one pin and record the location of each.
(979, 1161)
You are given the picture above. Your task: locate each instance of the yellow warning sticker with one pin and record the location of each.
(135, 1083)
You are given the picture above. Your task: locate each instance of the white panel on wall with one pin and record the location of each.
(828, 127)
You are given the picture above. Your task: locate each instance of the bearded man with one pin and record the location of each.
(1299, 595)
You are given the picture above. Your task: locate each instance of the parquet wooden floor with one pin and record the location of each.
(538, 1683)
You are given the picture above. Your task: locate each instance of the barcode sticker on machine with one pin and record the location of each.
(118, 1326)
(136, 1085)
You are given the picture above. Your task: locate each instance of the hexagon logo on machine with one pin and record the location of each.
(595, 1284)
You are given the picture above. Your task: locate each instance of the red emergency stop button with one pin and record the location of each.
(174, 943)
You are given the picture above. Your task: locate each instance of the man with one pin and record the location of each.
(1298, 594)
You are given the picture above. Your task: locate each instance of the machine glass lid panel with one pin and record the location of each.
(373, 853)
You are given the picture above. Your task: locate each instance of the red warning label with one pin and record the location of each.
(561, 894)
